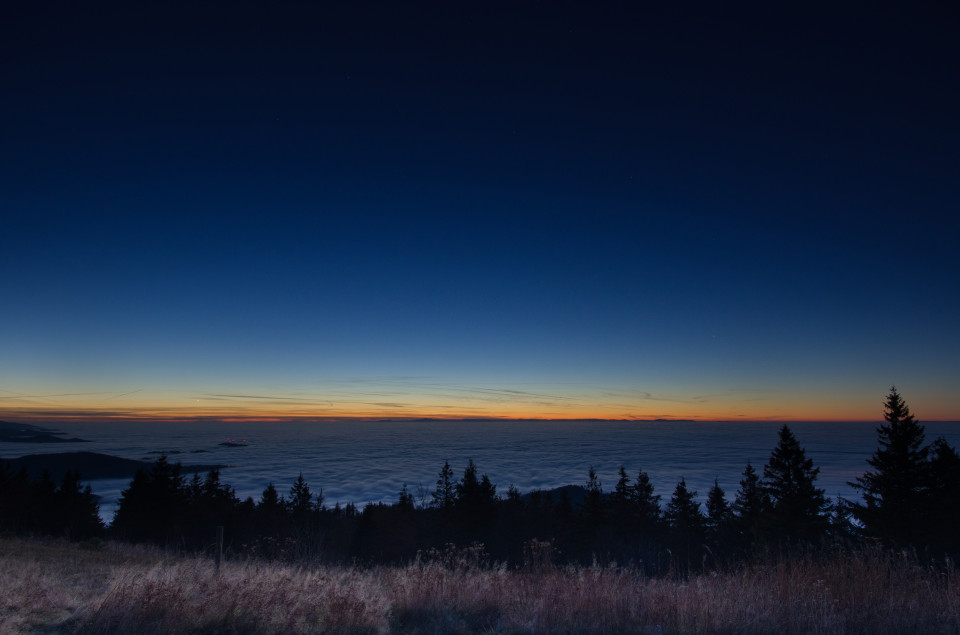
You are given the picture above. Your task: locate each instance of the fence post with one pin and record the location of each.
(218, 554)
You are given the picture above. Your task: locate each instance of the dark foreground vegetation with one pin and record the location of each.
(911, 500)
(54, 586)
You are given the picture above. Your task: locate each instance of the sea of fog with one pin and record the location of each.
(363, 462)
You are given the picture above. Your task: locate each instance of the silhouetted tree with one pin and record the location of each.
(13, 498)
(646, 503)
(621, 503)
(270, 499)
(748, 507)
(718, 519)
(843, 529)
(444, 496)
(211, 503)
(152, 508)
(686, 524)
(78, 509)
(797, 508)
(405, 500)
(43, 507)
(301, 502)
(472, 492)
(593, 502)
(475, 502)
(943, 519)
(895, 490)
(43, 515)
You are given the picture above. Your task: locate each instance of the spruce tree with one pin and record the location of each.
(719, 517)
(645, 502)
(717, 507)
(468, 488)
(475, 498)
(405, 500)
(593, 502)
(270, 499)
(154, 506)
(748, 507)
(622, 501)
(78, 508)
(895, 490)
(944, 498)
(683, 511)
(301, 498)
(686, 524)
(211, 503)
(271, 513)
(797, 507)
(444, 496)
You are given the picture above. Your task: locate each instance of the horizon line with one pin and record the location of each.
(35, 420)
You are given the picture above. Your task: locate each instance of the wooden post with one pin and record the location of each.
(218, 554)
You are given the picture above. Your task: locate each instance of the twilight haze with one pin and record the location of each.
(517, 210)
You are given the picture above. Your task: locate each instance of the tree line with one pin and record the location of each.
(910, 499)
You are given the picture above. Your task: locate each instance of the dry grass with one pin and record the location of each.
(53, 587)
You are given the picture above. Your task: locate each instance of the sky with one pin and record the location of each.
(315, 211)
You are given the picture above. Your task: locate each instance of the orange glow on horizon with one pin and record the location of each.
(148, 415)
(452, 403)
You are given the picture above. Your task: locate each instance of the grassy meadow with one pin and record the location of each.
(59, 587)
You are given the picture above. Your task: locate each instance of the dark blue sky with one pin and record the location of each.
(536, 209)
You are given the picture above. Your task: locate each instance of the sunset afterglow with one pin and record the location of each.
(316, 215)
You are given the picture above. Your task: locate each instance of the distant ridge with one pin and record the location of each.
(91, 465)
(507, 419)
(25, 433)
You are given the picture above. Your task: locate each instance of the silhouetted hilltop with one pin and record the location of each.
(25, 433)
(91, 465)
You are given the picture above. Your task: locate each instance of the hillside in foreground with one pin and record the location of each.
(57, 587)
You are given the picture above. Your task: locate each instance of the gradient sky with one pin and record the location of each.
(517, 209)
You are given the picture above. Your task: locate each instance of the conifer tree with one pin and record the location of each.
(301, 498)
(621, 502)
(43, 514)
(271, 513)
(748, 506)
(622, 491)
(895, 490)
(944, 498)
(646, 503)
(475, 497)
(843, 529)
(405, 499)
(445, 496)
(488, 491)
(468, 488)
(304, 510)
(153, 507)
(683, 511)
(797, 507)
(593, 502)
(513, 497)
(270, 499)
(78, 508)
(211, 503)
(686, 524)
(718, 514)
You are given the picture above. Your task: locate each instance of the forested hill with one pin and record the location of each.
(25, 433)
(90, 465)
